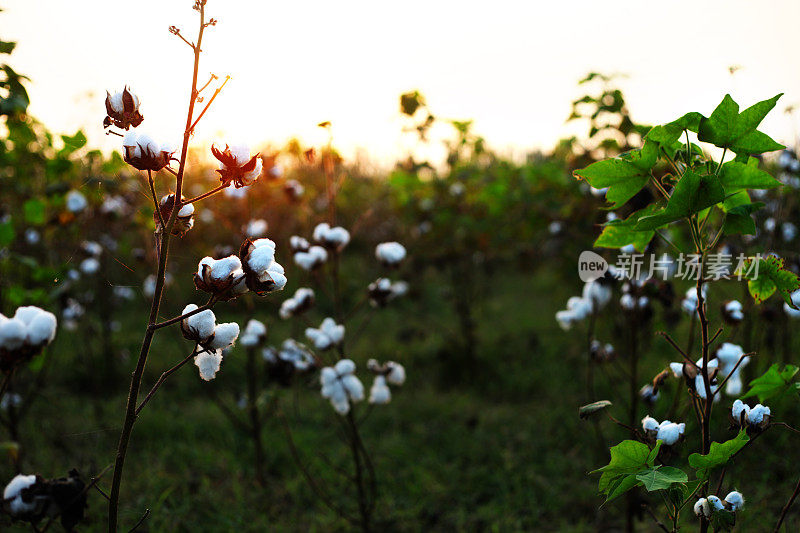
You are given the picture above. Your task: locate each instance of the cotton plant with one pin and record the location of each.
(24, 336)
(688, 200)
(163, 165)
(32, 499)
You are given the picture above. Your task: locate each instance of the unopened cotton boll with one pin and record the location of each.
(13, 495)
(75, 201)
(379, 393)
(208, 363)
(735, 500)
(224, 336)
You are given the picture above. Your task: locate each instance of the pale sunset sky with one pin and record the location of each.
(510, 65)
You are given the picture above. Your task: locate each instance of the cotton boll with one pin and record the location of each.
(327, 375)
(13, 494)
(669, 432)
(565, 319)
(203, 322)
(224, 335)
(261, 258)
(738, 408)
(397, 373)
(345, 366)
(253, 334)
(208, 364)
(598, 293)
(627, 302)
(354, 387)
(728, 355)
(649, 424)
(757, 414)
(320, 231)
(27, 313)
(736, 500)
(13, 334)
(734, 310)
(256, 228)
(715, 503)
(224, 267)
(677, 369)
(734, 385)
(42, 329)
(390, 253)
(379, 393)
(702, 508)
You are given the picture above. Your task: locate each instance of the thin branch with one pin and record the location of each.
(210, 101)
(787, 506)
(156, 206)
(206, 194)
(141, 521)
(163, 378)
(655, 519)
(174, 320)
(678, 348)
(724, 381)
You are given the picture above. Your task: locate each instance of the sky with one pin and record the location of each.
(510, 65)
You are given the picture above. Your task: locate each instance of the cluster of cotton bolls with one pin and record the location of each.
(732, 312)
(666, 431)
(755, 418)
(297, 355)
(383, 290)
(706, 507)
(263, 274)
(220, 276)
(203, 329)
(31, 498)
(24, 335)
(184, 220)
(75, 201)
(694, 377)
(254, 334)
(332, 238)
(328, 335)
(595, 296)
(341, 386)
(389, 373)
(302, 301)
(306, 256)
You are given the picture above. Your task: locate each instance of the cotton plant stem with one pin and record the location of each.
(136, 378)
(786, 508)
(362, 498)
(589, 360)
(162, 379)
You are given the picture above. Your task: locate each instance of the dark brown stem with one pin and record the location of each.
(136, 377)
(156, 206)
(786, 507)
(255, 417)
(363, 507)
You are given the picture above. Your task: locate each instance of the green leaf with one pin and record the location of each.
(624, 176)
(34, 211)
(773, 382)
(736, 176)
(723, 520)
(769, 276)
(739, 221)
(588, 410)
(651, 458)
(718, 455)
(692, 194)
(627, 457)
(667, 134)
(727, 128)
(661, 477)
(619, 233)
(72, 143)
(620, 486)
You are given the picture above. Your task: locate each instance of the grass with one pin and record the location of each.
(501, 451)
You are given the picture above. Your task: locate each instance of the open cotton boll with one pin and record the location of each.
(734, 309)
(734, 385)
(42, 329)
(90, 265)
(354, 387)
(261, 258)
(565, 319)
(320, 231)
(13, 494)
(738, 408)
(27, 313)
(670, 432)
(701, 508)
(256, 228)
(735, 499)
(390, 253)
(222, 268)
(379, 393)
(13, 334)
(649, 423)
(344, 366)
(728, 355)
(677, 369)
(253, 333)
(224, 335)
(186, 211)
(757, 414)
(397, 373)
(208, 364)
(203, 322)
(793, 313)
(715, 503)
